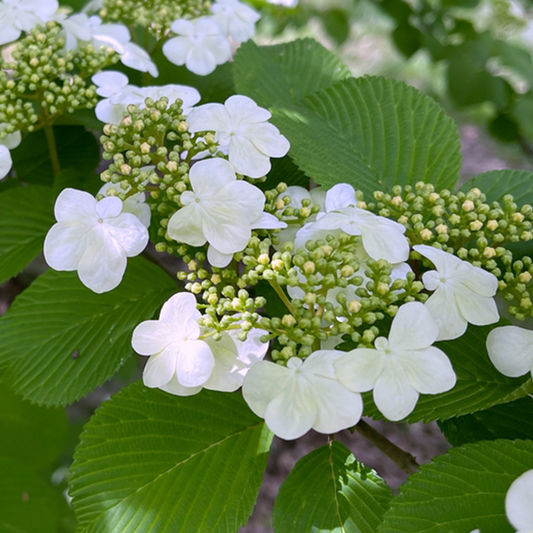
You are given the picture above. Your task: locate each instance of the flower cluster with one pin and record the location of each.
(358, 293)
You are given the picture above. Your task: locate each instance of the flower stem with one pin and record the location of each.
(282, 295)
(402, 458)
(52, 148)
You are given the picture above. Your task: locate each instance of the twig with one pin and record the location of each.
(52, 148)
(282, 295)
(402, 458)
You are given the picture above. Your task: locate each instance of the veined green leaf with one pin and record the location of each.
(330, 492)
(460, 491)
(60, 340)
(151, 462)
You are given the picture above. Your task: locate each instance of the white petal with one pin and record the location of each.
(443, 261)
(241, 30)
(109, 113)
(297, 194)
(12, 140)
(65, 245)
(75, 205)
(262, 384)
(443, 307)
(182, 27)
(393, 394)
(129, 232)
(383, 239)
(252, 349)
(267, 139)
(103, 264)
(209, 176)
(109, 207)
(218, 259)
(5, 161)
(219, 47)
(229, 371)
(335, 221)
(181, 315)
(340, 196)
(431, 280)
(227, 230)
(429, 370)
(359, 369)
(136, 206)
(161, 368)
(478, 310)
(185, 226)
(267, 221)
(177, 49)
(209, 117)
(201, 61)
(477, 280)
(400, 271)
(510, 349)
(413, 328)
(150, 337)
(174, 387)
(195, 363)
(110, 82)
(292, 413)
(135, 57)
(247, 159)
(244, 111)
(518, 502)
(8, 34)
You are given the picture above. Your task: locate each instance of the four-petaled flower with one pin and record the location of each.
(463, 293)
(303, 395)
(381, 238)
(199, 45)
(510, 349)
(518, 503)
(94, 238)
(400, 367)
(242, 129)
(219, 210)
(17, 16)
(235, 19)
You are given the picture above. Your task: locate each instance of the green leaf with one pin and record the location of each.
(337, 24)
(152, 462)
(31, 434)
(479, 385)
(460, 491)
(372, 131)
(329, 491)
(26, 215)
(60, 340)
(497, 183)
(513, 420)
(27, 503)
(285, 74)
(77, 179)
(76, 147)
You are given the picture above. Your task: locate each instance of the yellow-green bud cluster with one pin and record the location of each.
(155, 15)
(158, 136)
(41, 80)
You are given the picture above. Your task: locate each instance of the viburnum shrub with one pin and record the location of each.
(290, 254)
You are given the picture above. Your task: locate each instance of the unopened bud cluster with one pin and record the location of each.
(155, 15)
(41, 80)
(473, 229)
(157, 137)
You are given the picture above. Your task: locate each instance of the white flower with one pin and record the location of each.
(17, 16)
(463, 293)
(200, 45)
(94, 238)
(181, 363)
(381, 238)
(93, 6)
(188, 95)
(241, 126)
(301, 396)
(219, 210)
(235, 20)
(76, 28)
(135, 57)
(510, 349)
(9, 143)
(518, 503)
(400, 367)
(134, 204)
